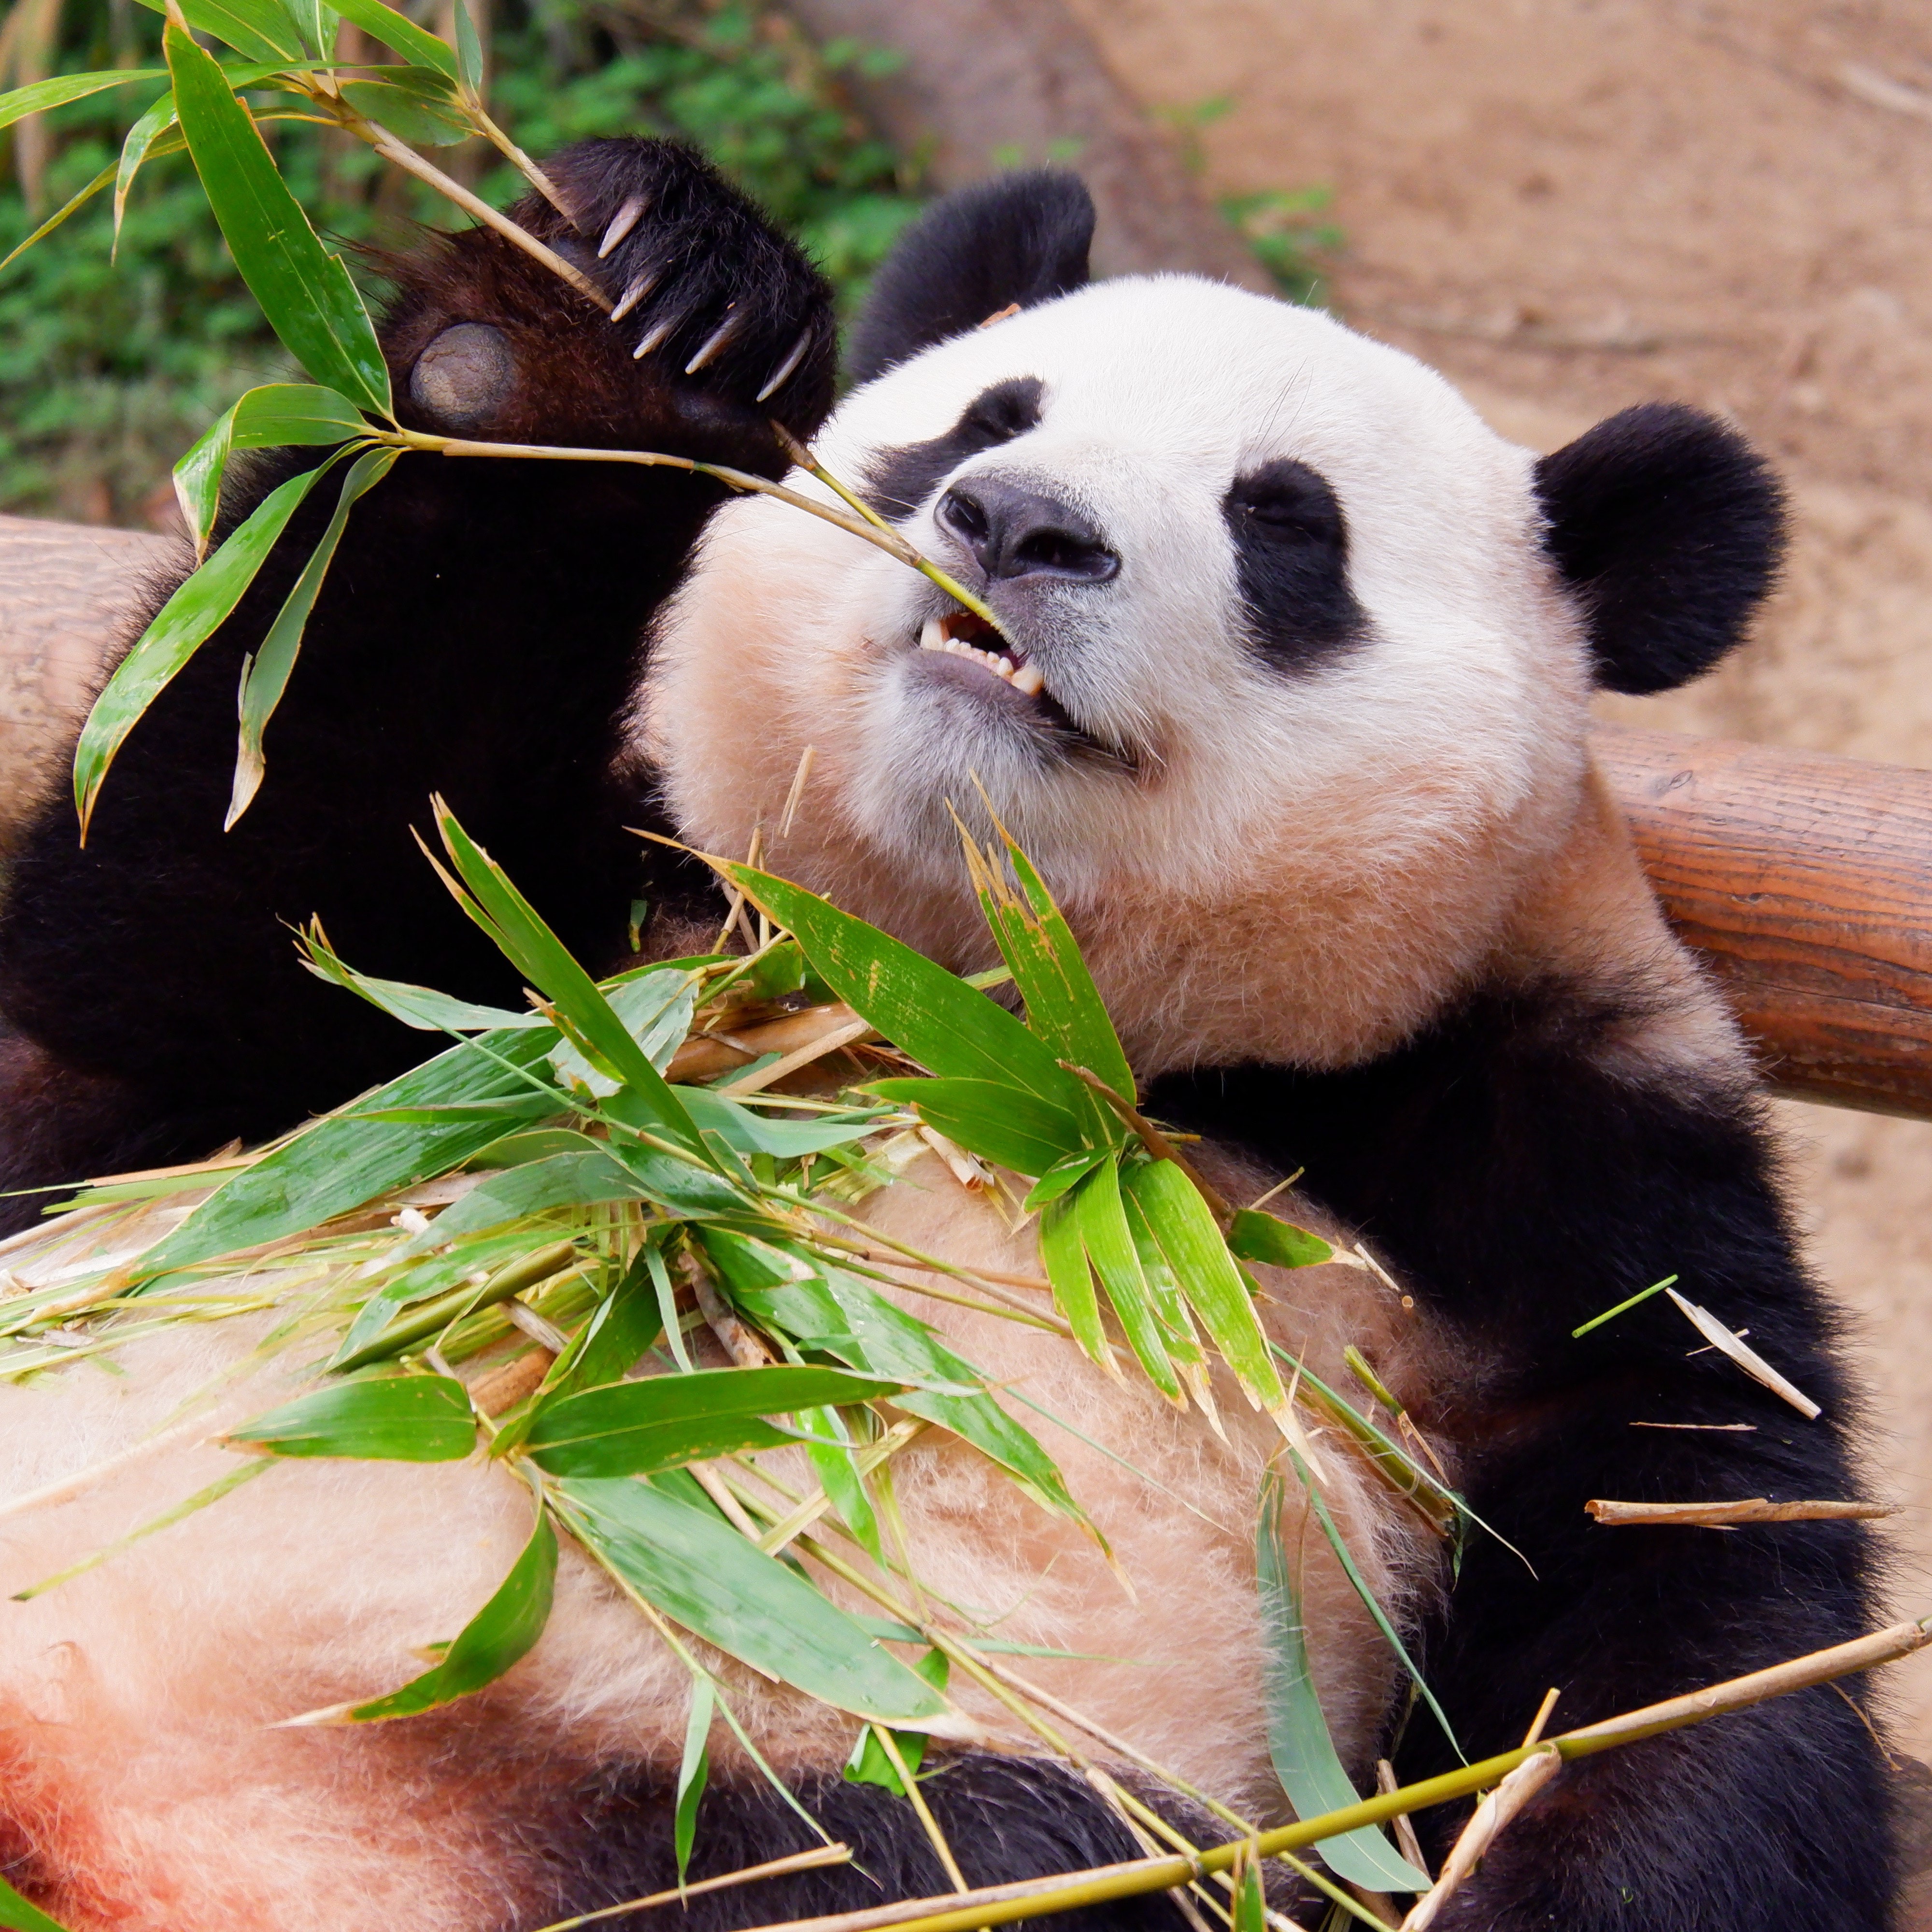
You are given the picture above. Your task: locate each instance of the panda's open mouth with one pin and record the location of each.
(964, 639)
(953, 633)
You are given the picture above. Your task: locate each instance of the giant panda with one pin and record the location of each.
(1292, 710)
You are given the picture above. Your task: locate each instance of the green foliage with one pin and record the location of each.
(111, 363)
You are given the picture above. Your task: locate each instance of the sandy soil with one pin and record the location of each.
(1569, 205)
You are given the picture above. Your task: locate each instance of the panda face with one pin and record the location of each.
(1281, 641)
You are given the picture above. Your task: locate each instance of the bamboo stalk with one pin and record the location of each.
(1030, 1898)
(795, 1861)
(1495, 1811)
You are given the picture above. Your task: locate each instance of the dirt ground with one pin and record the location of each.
(1569, 205)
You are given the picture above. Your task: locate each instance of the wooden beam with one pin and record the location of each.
(1806, 881)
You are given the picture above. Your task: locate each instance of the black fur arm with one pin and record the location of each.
(478, 634)
(1522, 1190)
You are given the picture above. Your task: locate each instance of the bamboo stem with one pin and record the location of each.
(1725, 1515)
(795, 1861)
(1030, 1898)
(1156, 1142)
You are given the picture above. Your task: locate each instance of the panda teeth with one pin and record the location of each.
(1024, 678)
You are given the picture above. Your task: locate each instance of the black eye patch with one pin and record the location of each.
(897, 481)
(1291, 555)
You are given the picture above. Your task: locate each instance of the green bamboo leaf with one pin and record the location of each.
(413, 42)
(341, 1161)
(60, 214)
(656, 1008)
(428, 1319)
(470, 71)
(316, 22)
(637, 1428)
(828, 1311)
(1390, 1636)
(942, 1022)
(501, 1633)
(412, 112)
(1063, 1175)
(694, 1767)
(1250, 1907)
(183, 624)
(1062, 1005)
(436, 1275)
(1256, 1236)
(1067, 1267)
(1104, 1233)
(156, 133)
(669, 1544)
(398, 1419)
(745, 1130)
(836, 1467)
(421, 1007)
(57, 92)
(264, 674)
(1003, 1124)
(17, 1915)
(1180, 1221)
(305, 292)
(581, 1008)
(1304, 1754)
(264, 30)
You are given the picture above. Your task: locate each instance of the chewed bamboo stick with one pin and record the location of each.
(705, 1054)
(1030, 1898)
(1754, 1364)
(1722, 1516)
(1495, 1812)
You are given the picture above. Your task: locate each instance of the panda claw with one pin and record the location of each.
(622, 222)
(787, 369)
(635, 294)
(715, 341)
(655, 339)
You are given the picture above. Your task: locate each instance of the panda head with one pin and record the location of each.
(1292, 697)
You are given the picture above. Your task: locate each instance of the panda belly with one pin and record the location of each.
(144, 1783)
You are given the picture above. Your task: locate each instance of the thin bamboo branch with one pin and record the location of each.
(795, 1861)
(1495, 1811)
(1156, 1142)
(1030, 1898)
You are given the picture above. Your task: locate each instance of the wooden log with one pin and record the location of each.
(1806, 881)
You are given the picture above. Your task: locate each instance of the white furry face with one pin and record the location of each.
(1301, 662)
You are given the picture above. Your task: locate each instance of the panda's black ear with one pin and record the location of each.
(1018, 239)
(1670, 529)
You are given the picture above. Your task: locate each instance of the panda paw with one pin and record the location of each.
(718, 323)
(705, 291)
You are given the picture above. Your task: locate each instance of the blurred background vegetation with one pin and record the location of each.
(112, 360)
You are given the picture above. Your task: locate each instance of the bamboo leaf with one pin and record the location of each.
(341, 1161)
(264, 675)
(305, 292)
(1063, 1006)
(410, 112)
(264, 30)
(1104, 1233)
(501, 1633)
(402, 35)
(656, 1008)
(827, 1310)
(942, 1022)
(1250, 1907)
(57, 92)
(637, 1428)
(1064, 1258)
(156, 133)
(672, 1547)
(398, 1419)
(183, 624)
(60, 214)
(1004, 1124)
(694, 1767)
(833, 1463)
(495, 903)
(1256, 1236)
(1062, 1175)
(746, 1130)
(1304, 1755)
(1180, 1221)
(1390, 1636)
(17, 1915)
(421, 1007)
(470, 71)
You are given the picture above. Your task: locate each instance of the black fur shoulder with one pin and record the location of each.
(1522, 1187)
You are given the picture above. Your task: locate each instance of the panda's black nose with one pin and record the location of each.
(1014, 531)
